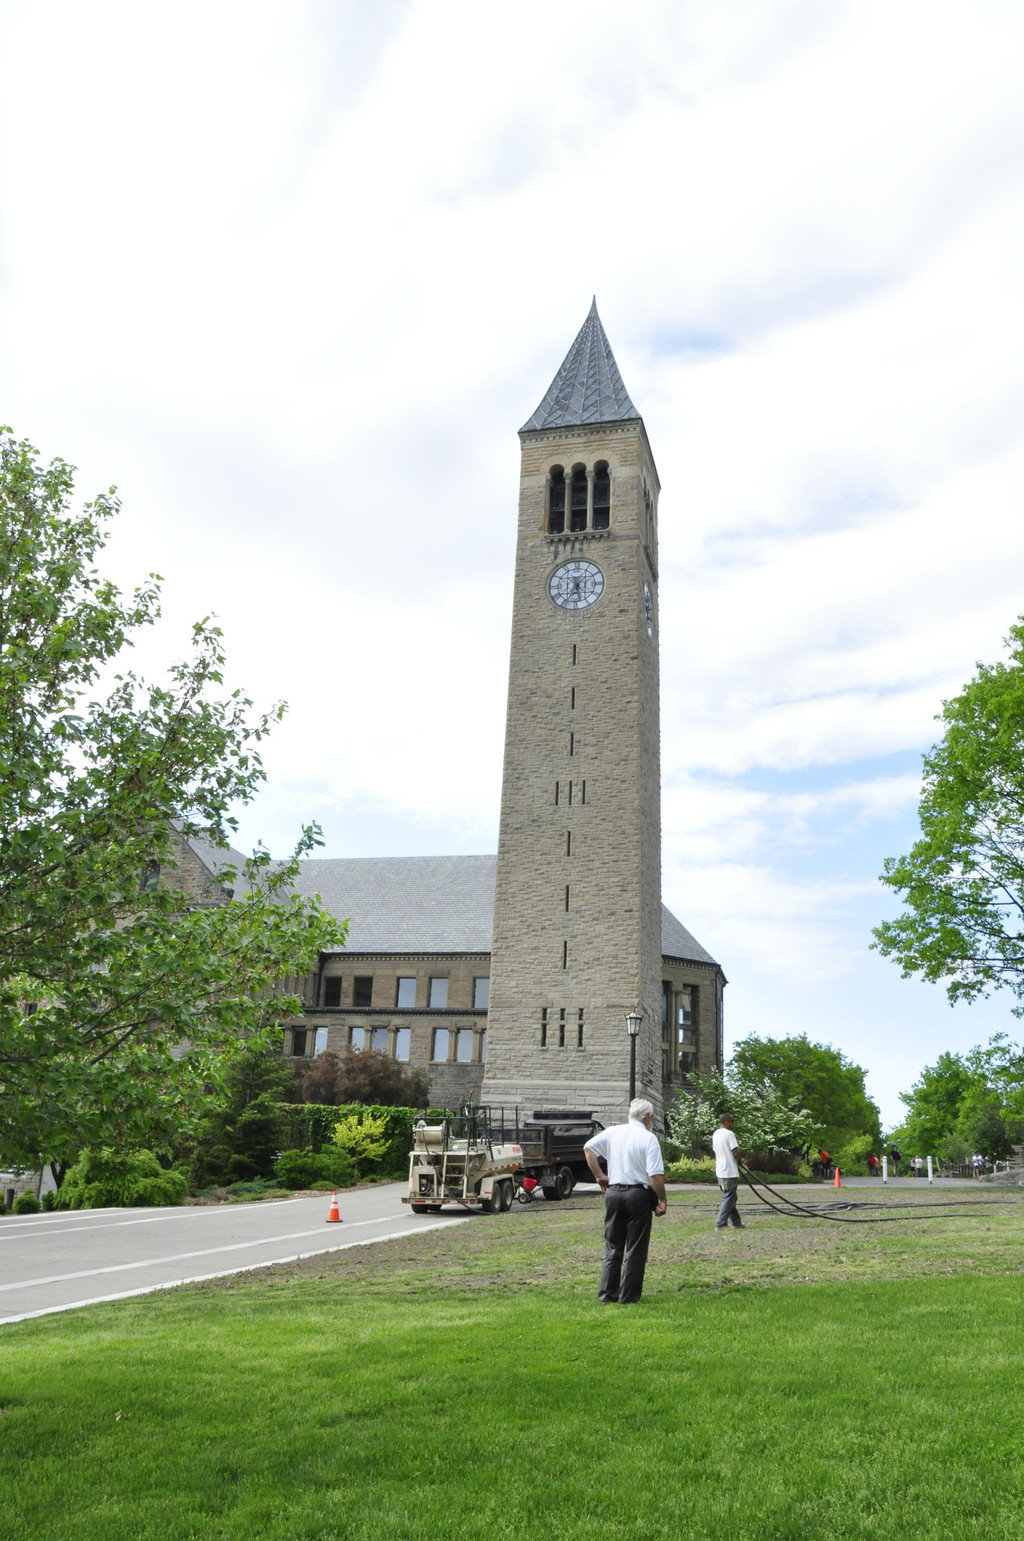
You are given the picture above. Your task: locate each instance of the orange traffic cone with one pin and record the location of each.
(334, 1216)
(837, 1183)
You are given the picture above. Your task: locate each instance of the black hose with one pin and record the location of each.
(944, 1210)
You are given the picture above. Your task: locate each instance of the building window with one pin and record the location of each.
(565, 954)
(483, 1046)
(299, 1038)
(405, 997)
(464, 1045)
(602, 496)
(320, 1040)
(561, 1028)
(439, 993)
(556, 501)
(686, 1004)
(579, 1028)
(666, 1000)
(402, 1038)
(578, 506)
(332, 990)
(441, 1039)
(481, 992)
(380, 1040)
(362, 992)
(357, 1037)
(544, 1027)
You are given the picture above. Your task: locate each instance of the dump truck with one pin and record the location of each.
(478, 1157)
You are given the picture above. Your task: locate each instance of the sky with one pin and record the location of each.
(292, 277)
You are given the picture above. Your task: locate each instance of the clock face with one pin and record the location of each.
(575, 585)
(649, 609)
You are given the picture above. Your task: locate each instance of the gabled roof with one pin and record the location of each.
(588, 388)
(442, 904)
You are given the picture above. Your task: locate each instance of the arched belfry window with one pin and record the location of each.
(578, 520)
(602, 495)
(556, 501)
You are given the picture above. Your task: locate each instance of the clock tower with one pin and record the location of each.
(577, 938)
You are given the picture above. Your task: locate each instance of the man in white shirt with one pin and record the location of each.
(634, 1191)
(727, 1171)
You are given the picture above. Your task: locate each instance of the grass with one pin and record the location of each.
(793, 1380)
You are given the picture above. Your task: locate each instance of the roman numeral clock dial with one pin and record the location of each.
(575, 585)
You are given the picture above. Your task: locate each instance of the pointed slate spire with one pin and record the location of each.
(588, 388)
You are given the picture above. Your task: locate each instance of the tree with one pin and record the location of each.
(934, 1104)
(962, 882)
(243, 1129)
(364, 1076)
(814, 1076)
(967, 1102)
(119, 999)
(767, 1122)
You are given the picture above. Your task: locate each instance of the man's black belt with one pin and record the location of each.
(629, 1185)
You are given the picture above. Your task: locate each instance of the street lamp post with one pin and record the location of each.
(633, 1020)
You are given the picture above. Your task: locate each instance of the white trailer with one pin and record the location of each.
(461, 1164)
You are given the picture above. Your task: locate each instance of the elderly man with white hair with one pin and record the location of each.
(634, 1191)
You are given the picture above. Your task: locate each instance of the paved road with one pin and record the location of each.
(57, 1262)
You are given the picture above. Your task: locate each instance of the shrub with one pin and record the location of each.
(26, 1204)
(312, 1125)
(364, 1136)
(49, 1200)
(687, 1171)
(108, 1177)
(778, 1161)
(333, 1168)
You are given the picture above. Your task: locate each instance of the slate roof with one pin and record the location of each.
(431, 904)
(588, 388)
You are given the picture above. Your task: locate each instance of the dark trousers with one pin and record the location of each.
(627, 1234)
(727, 1210)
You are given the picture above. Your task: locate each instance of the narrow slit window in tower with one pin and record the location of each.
(565, 954)
(568, 842)
(602, 496)
(583, 792)
(556, 501)
(579, 1028)
(544, 1027)
(572, 743)
(574, 655)
(578, 505)
(567, 898)
(556, 794)
(561, 1028)
(570, 794)
(572, 699)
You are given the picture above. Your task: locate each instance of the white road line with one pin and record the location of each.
(186, 1212)
(181, 1257)
(226, 1273)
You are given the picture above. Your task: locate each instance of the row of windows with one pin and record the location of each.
(463, 1045)
(685, 1003)
(404, 995)
(678, 1033)
(560, 1027)
(578, 499)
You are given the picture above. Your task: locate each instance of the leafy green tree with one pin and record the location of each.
(119, 997)
(764, 1121)
(962, 882)
(814, 1076)
(244, 1129)
(934, 1104)
(364, 1136)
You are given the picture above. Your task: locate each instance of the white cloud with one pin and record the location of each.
(294, 276)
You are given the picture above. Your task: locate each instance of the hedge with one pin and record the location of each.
(309, 1126)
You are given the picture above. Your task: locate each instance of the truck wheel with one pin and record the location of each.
(508, 1194)
(492, 1206)
(419, 1209)
(565, 1182)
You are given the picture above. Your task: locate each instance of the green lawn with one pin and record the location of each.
(788, 1381)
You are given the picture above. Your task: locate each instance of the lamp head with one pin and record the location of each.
(633, 1020)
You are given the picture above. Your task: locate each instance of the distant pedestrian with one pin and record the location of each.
(634, 1192)
(978, 1163)
(727, 1171)
(918, 1166)
(873, 1165)
(894, 1157)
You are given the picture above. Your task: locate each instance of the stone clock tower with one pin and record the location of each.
(577, 914)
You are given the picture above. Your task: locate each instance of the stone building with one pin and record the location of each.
(509, 978)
